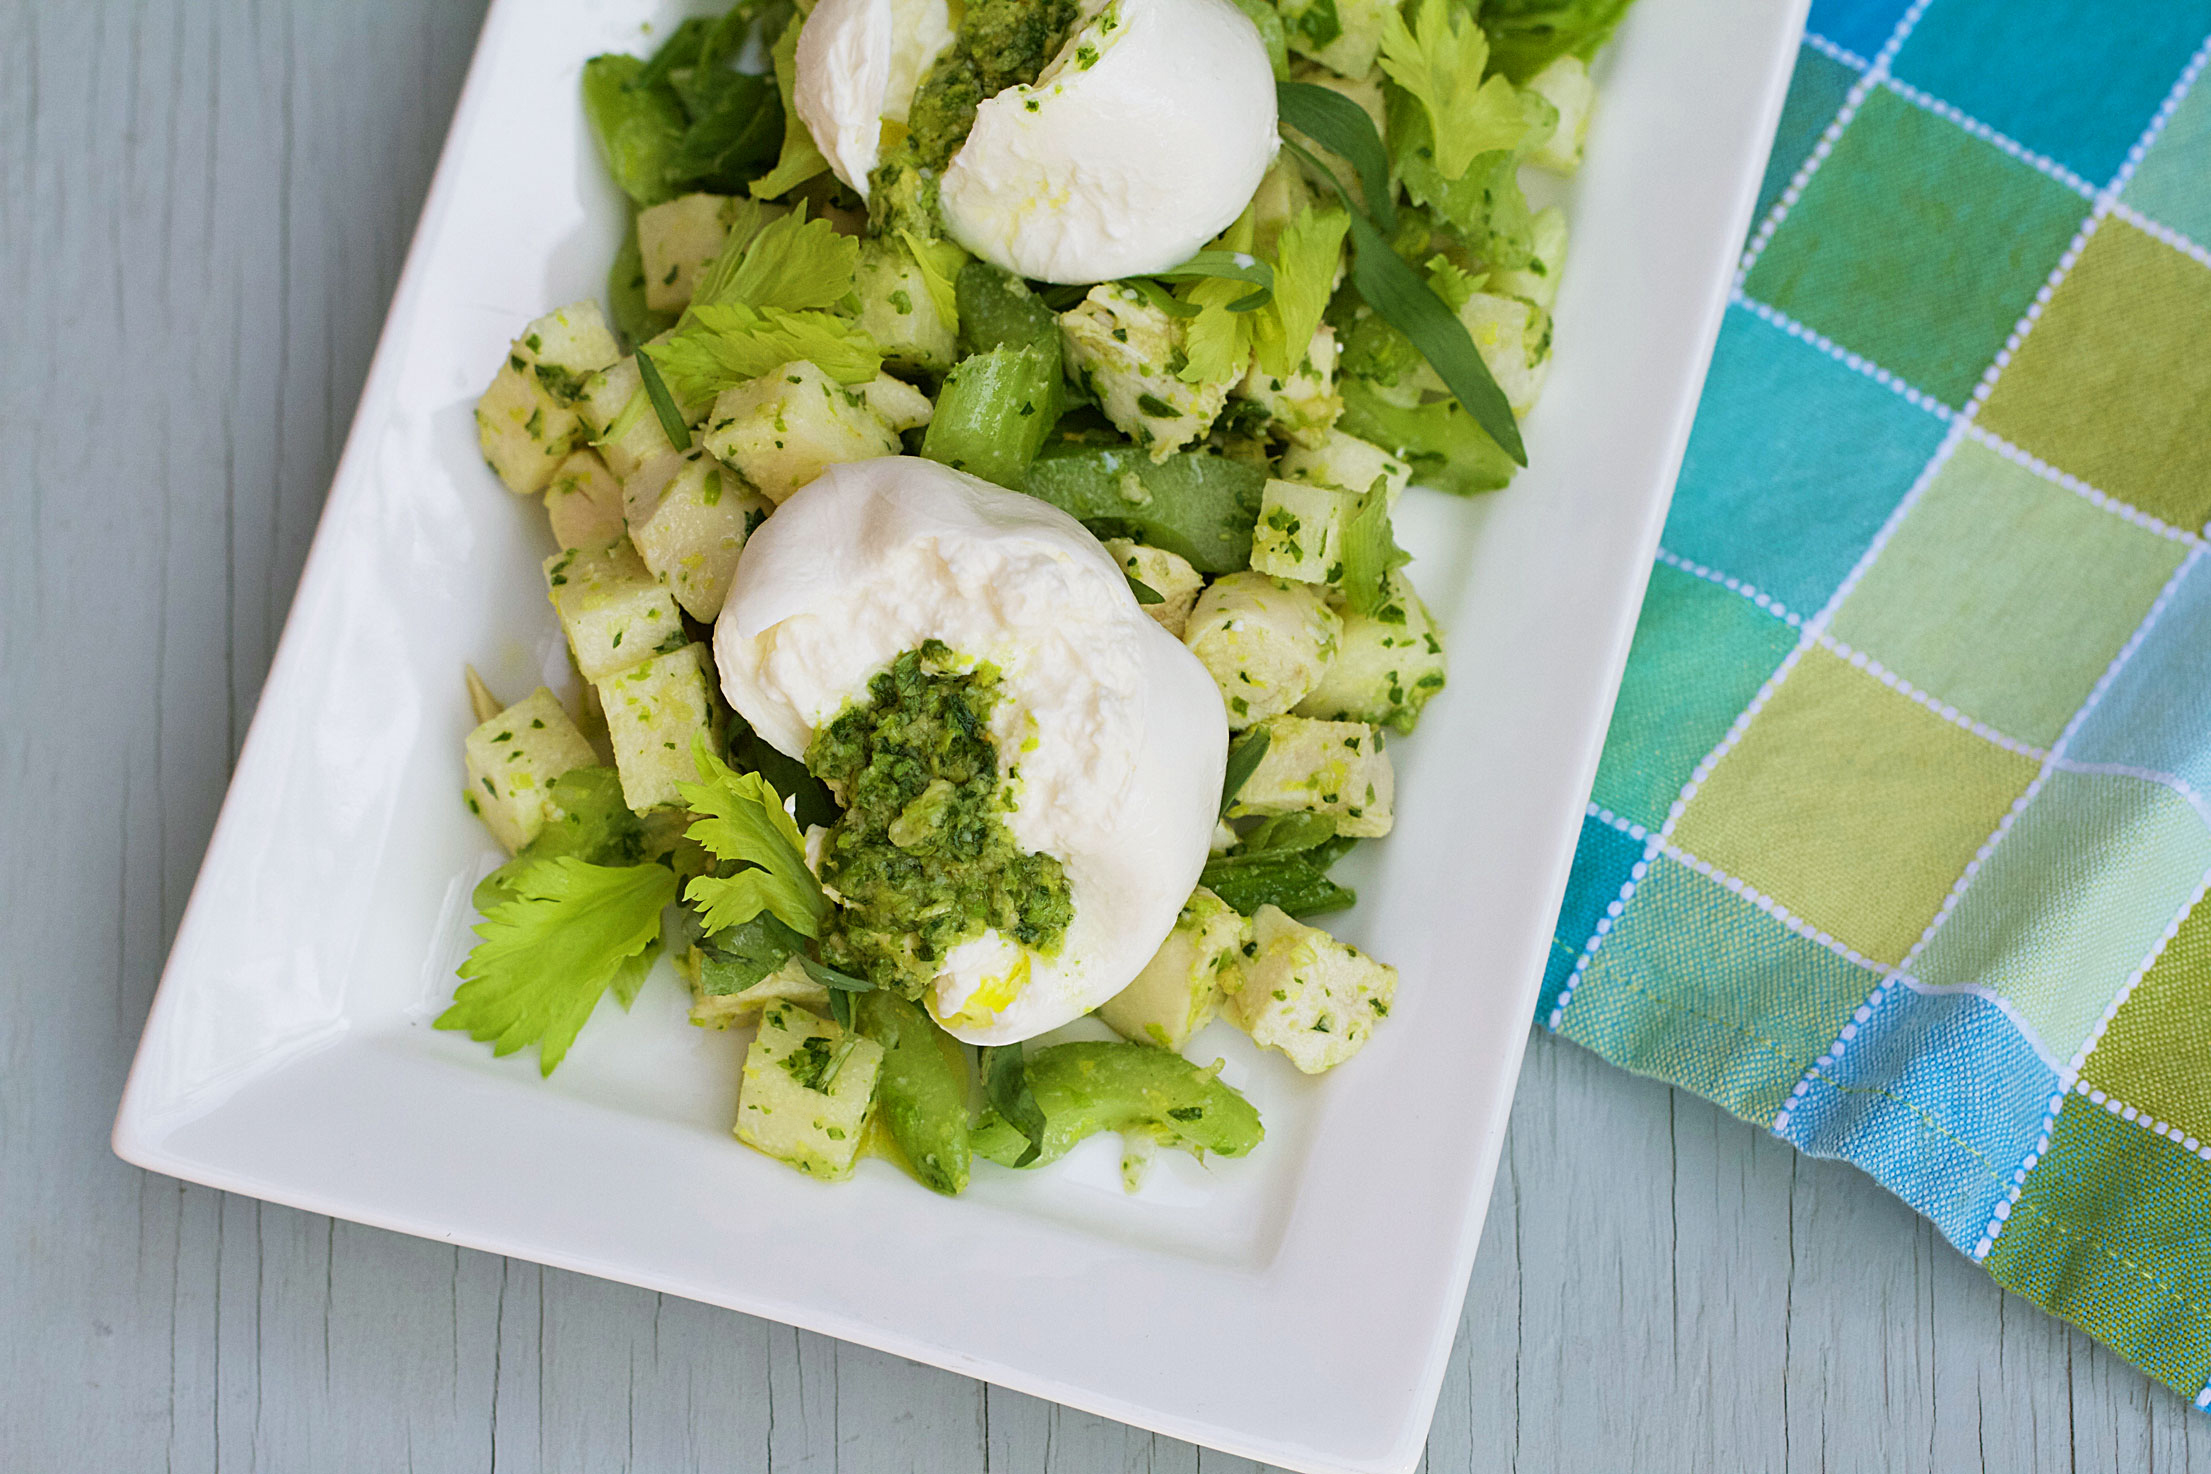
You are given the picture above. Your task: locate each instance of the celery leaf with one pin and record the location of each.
(571, 930)
(1439, 59)
(795, 263)
(725, 343)
(743, 822)
(1370, 551)
(589, 820)
(1307, 254)
(940, 263)
(1217, 341)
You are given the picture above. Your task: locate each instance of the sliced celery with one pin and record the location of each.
(994, 412)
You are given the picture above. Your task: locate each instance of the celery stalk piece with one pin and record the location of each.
(994, 412)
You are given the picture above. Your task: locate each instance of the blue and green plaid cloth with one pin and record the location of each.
(1902, 835)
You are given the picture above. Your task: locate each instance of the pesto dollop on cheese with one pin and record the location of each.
(922, 856)
(999, 44)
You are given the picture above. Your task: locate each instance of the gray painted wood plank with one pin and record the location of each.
(1025, 1433)
(203, 206)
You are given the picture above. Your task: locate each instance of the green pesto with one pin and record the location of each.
(922, 855)
(808, 1063)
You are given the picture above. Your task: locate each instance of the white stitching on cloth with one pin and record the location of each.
(1656, 845)
(1812, 629)
(2002, 1213)
(2091, 494)
(1613, 910)
(1852, 100)
(2106, 202)
(2174, 1134)
(2095, 1037)
(1833, 52)
(2161, 231)
(2053, 757)
(2041, 163)
(1733, 585)
(1862, 661)
(2195, 797)
(1917, 398)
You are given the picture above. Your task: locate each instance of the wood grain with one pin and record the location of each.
(203, 207)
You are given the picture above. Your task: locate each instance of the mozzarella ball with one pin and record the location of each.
(1145, 138)
(1112, 734)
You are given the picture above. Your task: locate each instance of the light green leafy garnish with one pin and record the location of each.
(1452, 282)
(1370, 551)
(724, 344)
(795, 263)
(1528, 35)
(1228, 287)
(1217, 341)
(744, 219)
(1439, 59)
(1230, 260)
(780, 291)
(571, 930)
(940, 263)
(743, 822)
(1306, 256)
(589, 820)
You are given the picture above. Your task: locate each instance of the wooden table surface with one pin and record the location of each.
(203, 208)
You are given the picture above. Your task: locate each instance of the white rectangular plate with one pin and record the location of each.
(1295, 1307)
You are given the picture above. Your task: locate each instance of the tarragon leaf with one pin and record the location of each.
(663, 403)
(1341, 126)
(1228, 266)
(1243, 761)
(1409, 304)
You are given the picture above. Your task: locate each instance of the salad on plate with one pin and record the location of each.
(973, 519)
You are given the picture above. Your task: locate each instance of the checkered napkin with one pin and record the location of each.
(1901, 839)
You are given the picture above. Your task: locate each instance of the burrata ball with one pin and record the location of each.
(1141, 141)
(1110, 736)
